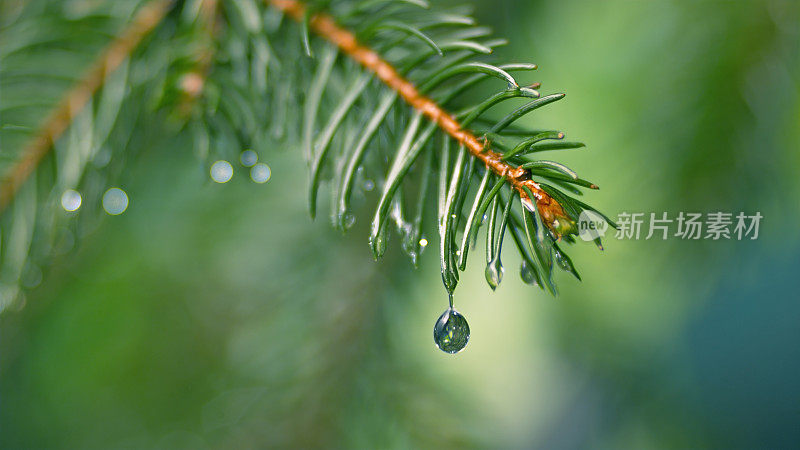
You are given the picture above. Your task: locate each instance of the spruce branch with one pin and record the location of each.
(193, 82)
(78, 97)
(548, 215)
(518, 177)
(385, 102)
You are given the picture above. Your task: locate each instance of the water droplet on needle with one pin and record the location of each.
(527, 275)
(451, 332)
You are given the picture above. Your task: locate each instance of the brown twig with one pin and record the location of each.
(193, 83)
(76, 98)
(325, 26)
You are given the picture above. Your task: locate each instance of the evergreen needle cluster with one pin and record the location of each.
(379, 94)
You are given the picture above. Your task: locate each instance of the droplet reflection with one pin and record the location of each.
(494, 273)
(349, 220)
(369, 185)
(451, 332)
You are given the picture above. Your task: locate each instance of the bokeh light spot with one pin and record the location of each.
(260, 173)
(221, 171)
(71, 200)
(248, 158)
(115, 201)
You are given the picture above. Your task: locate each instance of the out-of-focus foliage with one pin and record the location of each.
(190, 321)
(47, 49)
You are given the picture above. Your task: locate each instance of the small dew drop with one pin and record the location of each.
(349, 220)
(378, 244)
(451, 332)
(115, 201)
(562, 262)
(260, 173)
(369, 185)
(221, 171)
(423, 242)
(71, 200)
(248, 158)
(494, 273)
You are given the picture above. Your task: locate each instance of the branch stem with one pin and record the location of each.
(326, 27)
(194, 82)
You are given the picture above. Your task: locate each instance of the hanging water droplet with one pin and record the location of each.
(494, 273)
(378, 244)
(410, 249)
(451, 332)
(344, 220)
(369, 185)
(349, 220)
(561, 260)
(423, 242)
(527, 275)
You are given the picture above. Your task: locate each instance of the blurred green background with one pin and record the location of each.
(220, 316)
